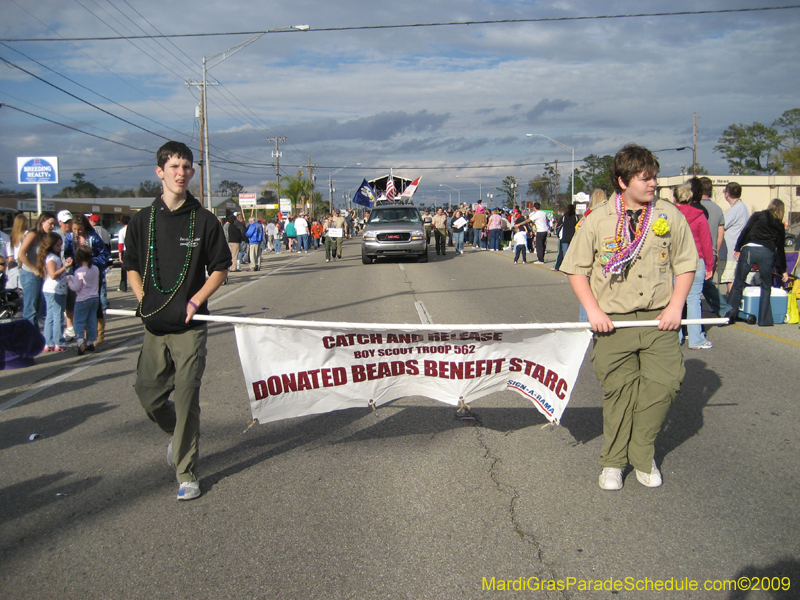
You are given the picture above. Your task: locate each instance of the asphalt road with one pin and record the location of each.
(411, 502)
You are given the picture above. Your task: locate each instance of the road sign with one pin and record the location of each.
(42, 169)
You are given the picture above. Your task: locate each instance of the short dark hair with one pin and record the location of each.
(631, 160)
(707, 186)
(537, 205)
(734, 189)
(171, 149)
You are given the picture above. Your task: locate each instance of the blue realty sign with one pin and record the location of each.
(42, 169)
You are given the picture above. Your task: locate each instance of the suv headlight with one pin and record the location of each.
(369, 236)
(417, 234)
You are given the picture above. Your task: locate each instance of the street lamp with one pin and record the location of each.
(480, 188)
(573, 159)
(330, 181)
(455, 190)
(225, 54)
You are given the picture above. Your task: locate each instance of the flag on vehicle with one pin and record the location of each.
(409, 191)
(365, 195)
(391, 192)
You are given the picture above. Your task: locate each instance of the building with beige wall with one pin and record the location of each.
(757, 191)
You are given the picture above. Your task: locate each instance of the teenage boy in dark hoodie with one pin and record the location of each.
(176, 257)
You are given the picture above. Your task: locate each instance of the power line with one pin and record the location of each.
(91, 90)
(82, 100)
(101, 65)
(414, 25)
(73, 128)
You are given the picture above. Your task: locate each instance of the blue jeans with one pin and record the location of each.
(763, 257)
(86, 318)
(494, 239)
(694, 309)
(103, 291)
(562, 250)
(277, 245)
(54, 323)
(458, 240)
(476, 238)
(523, 250)
(32, 301)
(302, 242)
(242, 252)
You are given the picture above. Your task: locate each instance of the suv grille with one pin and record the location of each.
(394, 237)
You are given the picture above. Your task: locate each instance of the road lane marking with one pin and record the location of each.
(766, 335)
(424, 316)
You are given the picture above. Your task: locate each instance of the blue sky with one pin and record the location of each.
(439, 101)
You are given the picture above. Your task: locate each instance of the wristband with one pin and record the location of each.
(192, 303)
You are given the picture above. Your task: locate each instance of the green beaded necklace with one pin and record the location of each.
(151, 262)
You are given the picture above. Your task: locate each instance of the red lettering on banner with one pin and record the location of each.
(561, 389)
(274, 385)
(515, 365)
(260, 389)
(339, 376)
(326, 378)
(359, 373)
(551, 379)
(412, 367)
(430, 368)
(469, 370)
(289, 382)
(303, 383)
(538, 373)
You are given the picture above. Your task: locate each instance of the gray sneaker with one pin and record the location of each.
(170, 460)
(611, 479)
(189, 490)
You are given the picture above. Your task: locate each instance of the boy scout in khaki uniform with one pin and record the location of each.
(633, 259)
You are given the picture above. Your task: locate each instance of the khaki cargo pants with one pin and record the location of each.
(641, 370)
(174, 364)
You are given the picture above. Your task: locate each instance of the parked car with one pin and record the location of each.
(393, 229)
(113, 229)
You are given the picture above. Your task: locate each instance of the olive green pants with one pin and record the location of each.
(641, 370)
(174, 364)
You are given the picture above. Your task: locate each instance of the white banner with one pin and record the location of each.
(333, 369)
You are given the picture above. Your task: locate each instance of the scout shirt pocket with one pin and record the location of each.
(659, 260)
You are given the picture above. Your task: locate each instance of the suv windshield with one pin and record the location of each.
(395, 215)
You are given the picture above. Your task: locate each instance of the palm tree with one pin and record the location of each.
(295, 188)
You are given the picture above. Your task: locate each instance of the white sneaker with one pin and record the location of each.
(189, 490)
(538, 262)
(611, 479)
(69, 334)
(651, 479)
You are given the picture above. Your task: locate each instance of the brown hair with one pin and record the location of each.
(84, 256)
(18, 229)
(171, 149)
(706, 186)
(777, 208)
(734, 190)
(631, 160)
(48, 243)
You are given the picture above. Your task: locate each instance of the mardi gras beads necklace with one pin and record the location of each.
(625, 248)
(151, 262)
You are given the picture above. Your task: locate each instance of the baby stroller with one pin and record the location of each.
(9, 300)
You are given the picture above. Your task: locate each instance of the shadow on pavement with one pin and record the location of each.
(17, 431)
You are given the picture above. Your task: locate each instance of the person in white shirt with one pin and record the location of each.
(301, 228)
(539, 219)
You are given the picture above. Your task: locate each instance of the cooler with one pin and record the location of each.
(751, 300)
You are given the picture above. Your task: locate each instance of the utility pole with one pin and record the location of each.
(276, 154)
(555, 201)
(203, 162)
(694, 147)
(311, 191)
